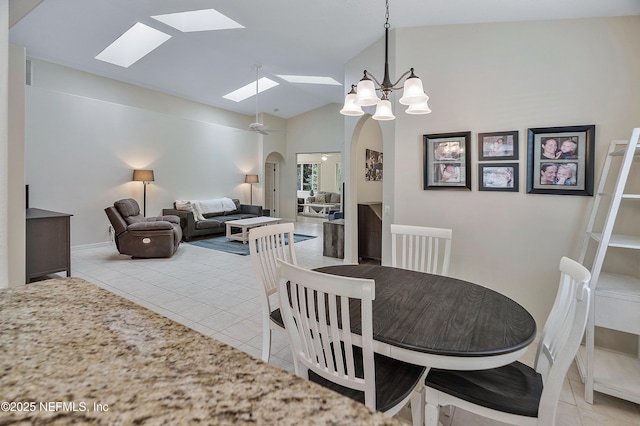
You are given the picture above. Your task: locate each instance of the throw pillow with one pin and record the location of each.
(183, 205)
(211, 206)
(320, 199)
(228, 205)
(197, 212)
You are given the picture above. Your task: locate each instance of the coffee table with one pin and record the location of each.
(246, 224)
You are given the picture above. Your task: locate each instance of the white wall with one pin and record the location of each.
(4, 143)
(85, 134)
(510, 76)
(15, 209)
(320, 130)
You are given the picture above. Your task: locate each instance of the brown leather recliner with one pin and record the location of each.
(140, 236)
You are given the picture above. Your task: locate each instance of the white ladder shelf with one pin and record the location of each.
(616, 304)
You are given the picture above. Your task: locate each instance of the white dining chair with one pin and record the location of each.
(315, 309)
(420, 248)
(266, 244)
(517, 393)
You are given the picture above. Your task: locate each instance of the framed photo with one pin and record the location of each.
(498, 177)
(446, 164)
(498, 146)
(560, 160)
(373, 165)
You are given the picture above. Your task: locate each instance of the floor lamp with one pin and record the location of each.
(144, 176)
(251, 179)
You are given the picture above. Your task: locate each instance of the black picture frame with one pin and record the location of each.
(560, 160)
(447, 162)
(499, 177)
(497, 146)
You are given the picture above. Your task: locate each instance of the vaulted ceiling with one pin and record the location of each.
(300, 37)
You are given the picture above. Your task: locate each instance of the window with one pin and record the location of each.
(308, 176)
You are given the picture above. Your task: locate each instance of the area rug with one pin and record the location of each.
(238, 247)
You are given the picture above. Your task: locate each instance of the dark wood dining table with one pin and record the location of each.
(439, 321)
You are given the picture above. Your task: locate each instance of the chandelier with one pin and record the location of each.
(365, 93)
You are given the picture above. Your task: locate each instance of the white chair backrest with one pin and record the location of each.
(562, 333)
(420, 248)
(266, 244)
(315, 310)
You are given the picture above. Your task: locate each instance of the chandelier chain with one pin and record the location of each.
(386, 25)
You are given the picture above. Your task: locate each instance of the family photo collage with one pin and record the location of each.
(559, 160)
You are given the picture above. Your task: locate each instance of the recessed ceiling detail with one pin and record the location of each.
(249, 90)
(309, 79)
(198, 20)
(133, 45)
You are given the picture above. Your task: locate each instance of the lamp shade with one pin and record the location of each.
(413, 92)
(350, 107)
(251, 179)
(143, 175)
(420, 108)
(384, 111)
(366, 93)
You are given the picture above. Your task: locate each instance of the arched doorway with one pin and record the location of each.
(272, 166)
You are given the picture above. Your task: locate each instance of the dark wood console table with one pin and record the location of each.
(48, 243)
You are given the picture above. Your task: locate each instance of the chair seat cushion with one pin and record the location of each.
(515, 388)
(276, 317)
(394, 380)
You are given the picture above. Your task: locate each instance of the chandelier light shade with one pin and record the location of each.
(421, 108)
(350, 107)
(365, 94)
(384, 111)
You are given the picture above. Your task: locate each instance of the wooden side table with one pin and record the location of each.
(333, 238)
(48, 243)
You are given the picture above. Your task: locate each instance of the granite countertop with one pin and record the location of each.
(73, 353)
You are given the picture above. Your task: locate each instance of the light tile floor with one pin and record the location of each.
(216, 294)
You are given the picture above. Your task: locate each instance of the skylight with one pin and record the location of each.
(198, 20)
(309, 79)
(133, 45)
(249, 90)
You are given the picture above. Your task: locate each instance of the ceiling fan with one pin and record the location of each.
(256, 126)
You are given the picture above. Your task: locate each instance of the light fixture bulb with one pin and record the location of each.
(324, 157)
(366, 93)
(419, 108)
(384, 111)
(350, 107)
(413, 92)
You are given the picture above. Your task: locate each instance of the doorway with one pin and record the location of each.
(271, 190)
(318, 173)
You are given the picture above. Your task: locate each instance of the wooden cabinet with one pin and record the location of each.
(48, 243)
(370, 231)
(333, 238)
(616, 301)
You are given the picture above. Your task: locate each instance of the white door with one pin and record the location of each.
(271, 188)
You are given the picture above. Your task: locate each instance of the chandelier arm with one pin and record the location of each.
(373, 77)
(395, 85)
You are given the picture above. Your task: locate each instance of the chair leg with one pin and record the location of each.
(266, 342)
(417, 407)
(432, 414)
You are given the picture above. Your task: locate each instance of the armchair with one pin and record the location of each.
(140, 236)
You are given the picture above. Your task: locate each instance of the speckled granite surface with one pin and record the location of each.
(66, 345)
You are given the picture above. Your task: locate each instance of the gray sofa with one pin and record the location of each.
(214, 223)
(323, 197)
